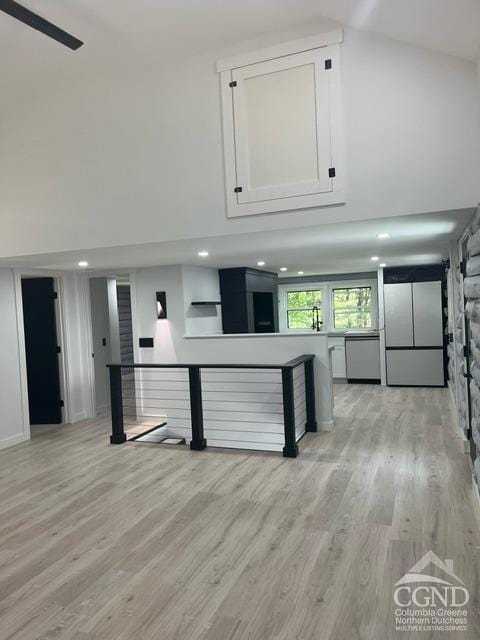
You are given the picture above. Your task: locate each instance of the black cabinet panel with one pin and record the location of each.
(234, 313)
(244, 310)
(257, 281)
(232, 280)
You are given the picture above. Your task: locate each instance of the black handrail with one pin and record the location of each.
(291, 364)
(198, 442)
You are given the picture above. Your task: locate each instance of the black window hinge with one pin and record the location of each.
(468, 376)
(465, 351)
(328, 64)
(233, 83)
(54, 295)
(331, 172)
(463, 270)
(59, 349)
(238, 189)
(62, 403)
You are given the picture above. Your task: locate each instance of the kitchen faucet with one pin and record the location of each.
(316, 324)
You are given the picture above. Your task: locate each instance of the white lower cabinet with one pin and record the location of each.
(339, 367)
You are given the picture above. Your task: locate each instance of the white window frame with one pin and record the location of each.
(328, 45)
(327, 288)
(354, 284)
(283, 303)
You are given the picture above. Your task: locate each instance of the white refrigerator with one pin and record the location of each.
(414, 335)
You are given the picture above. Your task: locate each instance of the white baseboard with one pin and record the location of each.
(13, 440)
(326, 426)
(78, 417)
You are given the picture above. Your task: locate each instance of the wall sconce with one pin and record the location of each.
(161, 305)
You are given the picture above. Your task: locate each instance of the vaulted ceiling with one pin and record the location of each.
(122, 34)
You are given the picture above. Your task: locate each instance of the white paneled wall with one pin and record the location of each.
(242, 408)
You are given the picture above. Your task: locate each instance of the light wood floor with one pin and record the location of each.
(154, 543)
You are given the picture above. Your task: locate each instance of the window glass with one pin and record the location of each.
(300, 306)
(352, 308)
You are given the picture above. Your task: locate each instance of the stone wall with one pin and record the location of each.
(464, 317)
(472, 312)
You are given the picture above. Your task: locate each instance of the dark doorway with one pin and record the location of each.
(41, 347)
(124, 304)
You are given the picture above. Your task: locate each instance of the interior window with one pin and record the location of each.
(300, 305)
(352, 308)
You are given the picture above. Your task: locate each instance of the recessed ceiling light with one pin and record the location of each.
(83, 263)
(375, 258)
(300, 273)
(382, 236)
(283, 269)
(382, 264)
(260, 263)
(203, 254)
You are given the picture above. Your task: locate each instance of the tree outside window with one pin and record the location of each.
(300, 305)
(352, 308)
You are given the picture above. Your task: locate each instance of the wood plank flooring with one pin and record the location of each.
(101, 542)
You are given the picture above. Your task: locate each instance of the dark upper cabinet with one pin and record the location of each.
(249, 300)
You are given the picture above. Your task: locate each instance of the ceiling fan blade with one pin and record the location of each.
(40, 24)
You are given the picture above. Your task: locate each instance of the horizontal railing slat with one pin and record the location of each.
(232, 405)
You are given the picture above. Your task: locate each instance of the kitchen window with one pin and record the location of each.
(300, 307)
(352, 308)
(343, 305)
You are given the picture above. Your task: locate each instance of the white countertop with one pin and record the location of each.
(256, 335)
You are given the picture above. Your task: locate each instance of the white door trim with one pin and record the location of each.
(283, 49)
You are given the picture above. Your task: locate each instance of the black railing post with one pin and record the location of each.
(290, 450)
(196, 409)
(118, 435)
(311, 424)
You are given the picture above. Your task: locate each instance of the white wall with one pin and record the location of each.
(100, 331)
(75, 305)
(138, 158)
(13, 423)
(113, 321)
(201, 283)
(167, 334)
